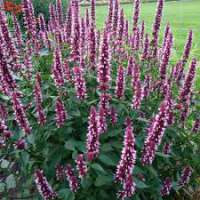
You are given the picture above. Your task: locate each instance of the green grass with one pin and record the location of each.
(182, 15)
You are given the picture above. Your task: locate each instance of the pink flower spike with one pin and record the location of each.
(72, 179)
(60, 113)
(79, 83)
(43, 186)
(128, 156)
(81, 166)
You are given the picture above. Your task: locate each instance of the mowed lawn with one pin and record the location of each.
(182, 15)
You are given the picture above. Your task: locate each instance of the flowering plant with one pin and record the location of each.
(89, 114)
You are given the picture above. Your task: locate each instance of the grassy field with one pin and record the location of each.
(182, 15)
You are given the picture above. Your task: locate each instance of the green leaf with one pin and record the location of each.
(162, 155)
(2, 187)
(140, 184)
(103, 180)
(86, 182)
(66, 194)
(70, 145)
(4, 164)
(107, 160)
(10, 181)
(98, 167)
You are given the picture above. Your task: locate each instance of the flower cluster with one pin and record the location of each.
(155, 133)
(93, 135)
(104, 69)
(186, 89)
(58, 68)
(120, 82)
(72, 179)
(156, 28)
(185, 176)
(128, 155)
(79, 83)
(137, 88)
(20, 114)
(43, 186)
(60, 113)
(81, 166)
(166, 187)
(126, 164)
(38, 100)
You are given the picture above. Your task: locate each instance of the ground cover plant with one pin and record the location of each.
(96, 114)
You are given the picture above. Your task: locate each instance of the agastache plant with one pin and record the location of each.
(71, 93)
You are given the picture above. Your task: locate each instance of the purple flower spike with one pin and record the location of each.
(196, 126)
(67, 71)
(187, 48)
(102, 124)
(104, 68)
(72, 179)
(79, 82)
(29, 19)
(115, 16)
(136, 14)
(186, 175)
(128, 156)
(17, 32)
(59, 172)
(20, 144)
(20, 114)
(7, 42)
(128, 188)
(166, 56)
(58, 68)
(81, 166)
(38, 100)
(142, 33)
(93, 11)
(156, 28)
(43, 186)
(120, 82)
(75, 54)
(167, 148)
(187, 86)
(167, 32)
(156, 132)
(92, 46)
(93, 135)
(6, 133)
(113, 115)
(137, 88)
(131, 65)
(59, 11)
(60, 113)
(166, 187)
(68, 24)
